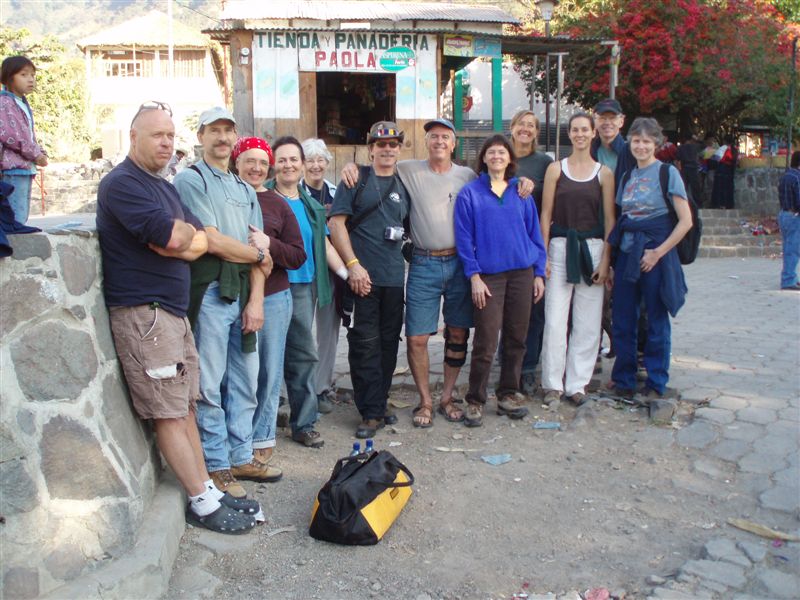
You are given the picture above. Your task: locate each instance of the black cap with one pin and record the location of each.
(608, 105)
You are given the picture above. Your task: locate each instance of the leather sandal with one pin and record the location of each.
(447, 410)
(423, 416)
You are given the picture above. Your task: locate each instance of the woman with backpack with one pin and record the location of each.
(647, 265)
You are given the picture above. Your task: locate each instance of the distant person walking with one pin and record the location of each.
(20, 153)
(725, 159)
(789, 221)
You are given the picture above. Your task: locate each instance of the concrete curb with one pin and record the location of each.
(145, 571)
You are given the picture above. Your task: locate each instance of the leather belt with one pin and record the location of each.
(445, 252)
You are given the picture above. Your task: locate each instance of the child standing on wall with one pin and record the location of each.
(20, 154)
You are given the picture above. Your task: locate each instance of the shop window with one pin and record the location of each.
(349, 103)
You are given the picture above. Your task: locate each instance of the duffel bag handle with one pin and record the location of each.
(360, 458)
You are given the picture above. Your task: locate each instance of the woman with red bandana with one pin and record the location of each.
(253, 158)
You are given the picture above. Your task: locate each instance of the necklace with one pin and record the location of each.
(292, 195)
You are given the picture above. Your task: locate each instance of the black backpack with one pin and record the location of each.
(690, 244)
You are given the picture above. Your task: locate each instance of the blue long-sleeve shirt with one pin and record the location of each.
(789, 191)
(496, 234)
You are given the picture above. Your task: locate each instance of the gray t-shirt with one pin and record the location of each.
(381, 258)
(220, 200)
(433, 199)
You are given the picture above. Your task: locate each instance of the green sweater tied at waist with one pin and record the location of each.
(234, 284)
(579, 257)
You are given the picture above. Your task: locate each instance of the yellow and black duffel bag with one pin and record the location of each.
(361, 500)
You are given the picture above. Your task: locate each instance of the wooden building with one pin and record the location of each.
(331, 69)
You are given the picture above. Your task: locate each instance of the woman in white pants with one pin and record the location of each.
(577, 216)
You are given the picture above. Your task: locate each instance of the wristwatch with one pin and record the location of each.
(261, 256)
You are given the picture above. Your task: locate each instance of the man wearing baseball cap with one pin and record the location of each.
(609, 148)
(226, 307)
(366, 224)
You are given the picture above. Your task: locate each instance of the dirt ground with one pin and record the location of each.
(573, 510)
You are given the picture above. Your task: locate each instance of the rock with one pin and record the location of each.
(760, 416)
(667, 594)
(102, 329)
(716, 415)
(65, 562)
(78, 269)
(78, 312)
(724, 573)
(65, 355)
(781, 497)
(423, 596)
(73, 464)
(30, 245)
(376, 587)
(26, 422)
(573, 595)
(20, 583)
(619, 594)
(725, 549)
(655, 580)
(661, 411)
(754, 551)
(123, 422)
(780, 584)
(730, 450)
(24, 298)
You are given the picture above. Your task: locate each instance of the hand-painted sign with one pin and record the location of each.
(361, 52)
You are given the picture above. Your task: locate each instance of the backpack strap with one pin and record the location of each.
(663, 179)
(363, 177)
(197, 170)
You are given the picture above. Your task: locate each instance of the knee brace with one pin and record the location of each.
(451, 348)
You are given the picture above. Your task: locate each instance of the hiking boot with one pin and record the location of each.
(324, 404)
(263, 455)
(528, 384)
(474, 415)
(368, 428)
(256, 471)
(645, 396)
(283, 416)
(552, 398)
(226, 482)
(510, 406)
(309, 439)
(578, 399)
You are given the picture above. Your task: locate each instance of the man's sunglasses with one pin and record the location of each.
(384, 143)
(152, 105)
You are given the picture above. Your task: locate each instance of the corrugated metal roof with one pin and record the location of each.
(251, 10)
(148, 30)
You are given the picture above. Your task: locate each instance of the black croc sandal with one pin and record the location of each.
(223, 520)
(241, 505)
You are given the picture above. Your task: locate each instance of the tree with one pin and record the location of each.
(710, 62)
(59, 101)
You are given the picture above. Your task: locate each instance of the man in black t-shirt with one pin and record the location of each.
(147, 238)
(366, 225)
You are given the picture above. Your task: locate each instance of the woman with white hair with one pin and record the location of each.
(328, 320)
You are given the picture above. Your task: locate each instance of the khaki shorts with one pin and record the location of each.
(159, 359)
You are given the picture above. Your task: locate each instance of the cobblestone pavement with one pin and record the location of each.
(736, 363)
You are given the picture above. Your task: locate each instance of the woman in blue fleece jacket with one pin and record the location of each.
(500, 245)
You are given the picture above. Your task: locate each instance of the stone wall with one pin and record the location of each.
(67, 192)
(77, 468)
(756, 191)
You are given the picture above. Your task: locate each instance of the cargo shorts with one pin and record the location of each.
(158, 356)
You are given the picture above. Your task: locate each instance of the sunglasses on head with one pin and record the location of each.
(152, 105)
(384, 143)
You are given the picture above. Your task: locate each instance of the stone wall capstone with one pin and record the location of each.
(77, 467)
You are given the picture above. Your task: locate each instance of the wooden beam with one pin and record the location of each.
(242, 83)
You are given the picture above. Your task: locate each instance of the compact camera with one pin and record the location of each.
(394, 234)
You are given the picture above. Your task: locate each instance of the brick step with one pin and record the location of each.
(739, 240)
(723, 229)
(721, 222)
(719, 213)
(736, 251)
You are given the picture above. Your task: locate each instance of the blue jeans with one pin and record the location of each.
(790, 236)
(300, 361)
(430, 278)
(20, 198)
(228, 379)
(271, 346)
(624, 324)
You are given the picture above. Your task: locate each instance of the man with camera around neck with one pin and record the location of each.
(366, 224)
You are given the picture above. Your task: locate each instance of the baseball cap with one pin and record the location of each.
(608, 105)
(384, 130)
(442, 122)
(211, 115)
